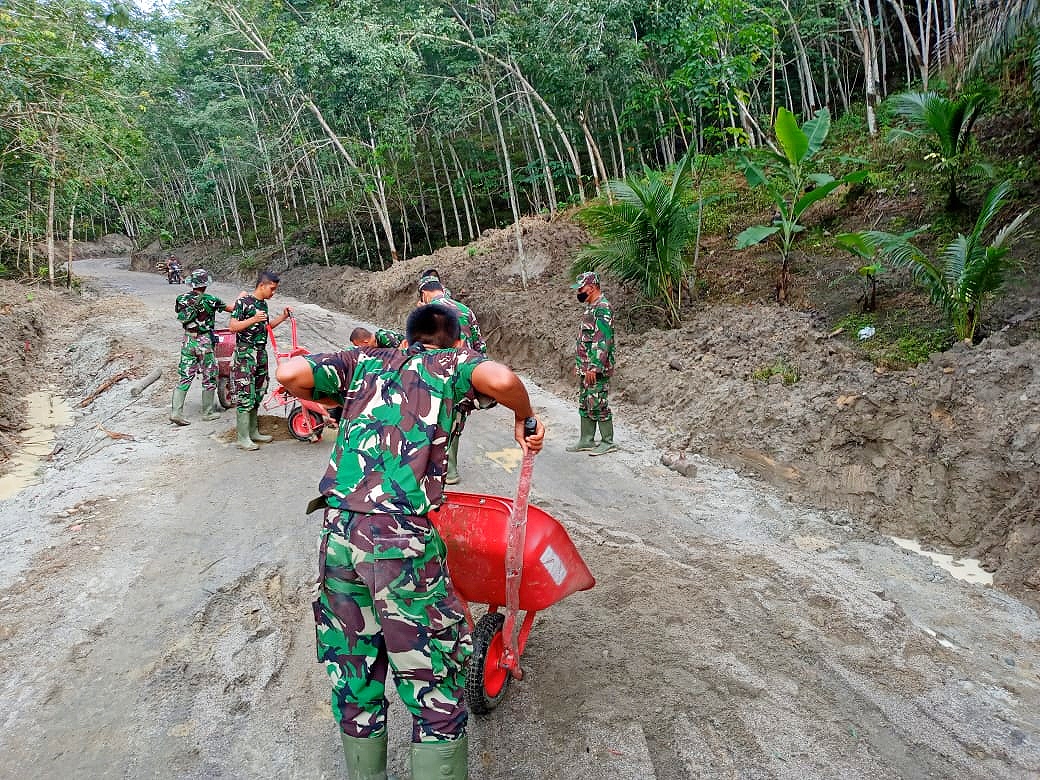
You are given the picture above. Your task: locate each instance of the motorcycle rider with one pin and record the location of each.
(173, 271)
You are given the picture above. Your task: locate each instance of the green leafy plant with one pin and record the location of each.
(871, 267)
(780, 368)
(643, 236)
(967, 272)
(945, 124)
(792, 184)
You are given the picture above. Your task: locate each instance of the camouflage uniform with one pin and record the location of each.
(467, 323)
(595, 350)
(249, 371)
(389, 338)
(385, 597)
(197, 312)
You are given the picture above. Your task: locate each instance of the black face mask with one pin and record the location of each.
(583, 296)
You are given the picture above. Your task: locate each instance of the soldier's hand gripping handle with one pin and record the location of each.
(530, 434)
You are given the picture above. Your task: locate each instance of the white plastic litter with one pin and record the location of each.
(866, 333)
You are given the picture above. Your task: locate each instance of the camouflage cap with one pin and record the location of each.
(199, 278)
(423, 281)
(589, 277)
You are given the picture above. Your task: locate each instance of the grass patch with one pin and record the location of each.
(780, 368)
(899, 341)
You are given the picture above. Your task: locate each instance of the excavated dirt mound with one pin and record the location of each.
(947, 452)
(27, 314)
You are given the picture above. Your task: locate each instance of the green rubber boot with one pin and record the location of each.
(242, 428)
(177, 407)
(254, 428)
(451, 475)
(366, 758)
(586, 441)
(209, 411)
(440, 760)
(606, 436)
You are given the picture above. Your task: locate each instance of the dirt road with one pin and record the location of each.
(154, 607)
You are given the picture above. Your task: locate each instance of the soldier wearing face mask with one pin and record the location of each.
(594, 365)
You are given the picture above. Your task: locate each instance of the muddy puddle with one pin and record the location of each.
(45, 414)
(967, 569)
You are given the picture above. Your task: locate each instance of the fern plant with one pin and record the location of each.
(966, 273)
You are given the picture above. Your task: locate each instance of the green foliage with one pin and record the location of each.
(792, 184)
(946, 125)
(781, 368)
(643, 233)
(967, 272)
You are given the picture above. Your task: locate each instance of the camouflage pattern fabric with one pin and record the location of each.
(399, 409)
(385, 599)
(389, 338)
(250, 375)
(467, 323)
(256, 334)
(595, 346)
(197, 311)
(592, 401)
(424, 279)
(197, 359)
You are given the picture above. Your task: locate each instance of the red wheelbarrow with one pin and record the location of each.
(479, 532)
(306, 419)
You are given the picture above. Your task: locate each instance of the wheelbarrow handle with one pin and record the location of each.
(515, 554)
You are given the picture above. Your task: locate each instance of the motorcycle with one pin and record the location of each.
(173, 274)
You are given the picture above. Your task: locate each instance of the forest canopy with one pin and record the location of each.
(377, 130)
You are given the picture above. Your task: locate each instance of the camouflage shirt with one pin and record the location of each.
(389, 338)
(467, 323)
(398, 410)
(256, 334)
(197, 311)
(595, 347)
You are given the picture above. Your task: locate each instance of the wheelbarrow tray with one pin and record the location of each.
(475, 529)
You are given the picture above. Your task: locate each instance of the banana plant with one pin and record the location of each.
(793, 185)
(966, 273)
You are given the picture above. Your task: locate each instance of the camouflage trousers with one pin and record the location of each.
(592, 401)
(197, 359)
(385, 601)
(249, 374)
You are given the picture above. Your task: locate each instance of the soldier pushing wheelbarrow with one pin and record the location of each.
(385, 598)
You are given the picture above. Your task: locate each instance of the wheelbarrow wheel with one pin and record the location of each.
(225, 395)
(305, 425)
(486, 681)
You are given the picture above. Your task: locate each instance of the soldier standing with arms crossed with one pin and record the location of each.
(249, 370)
(385, 598)
(197, 313)
(594, 365)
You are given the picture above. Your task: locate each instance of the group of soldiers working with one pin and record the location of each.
(197, 311)
(385, 599)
